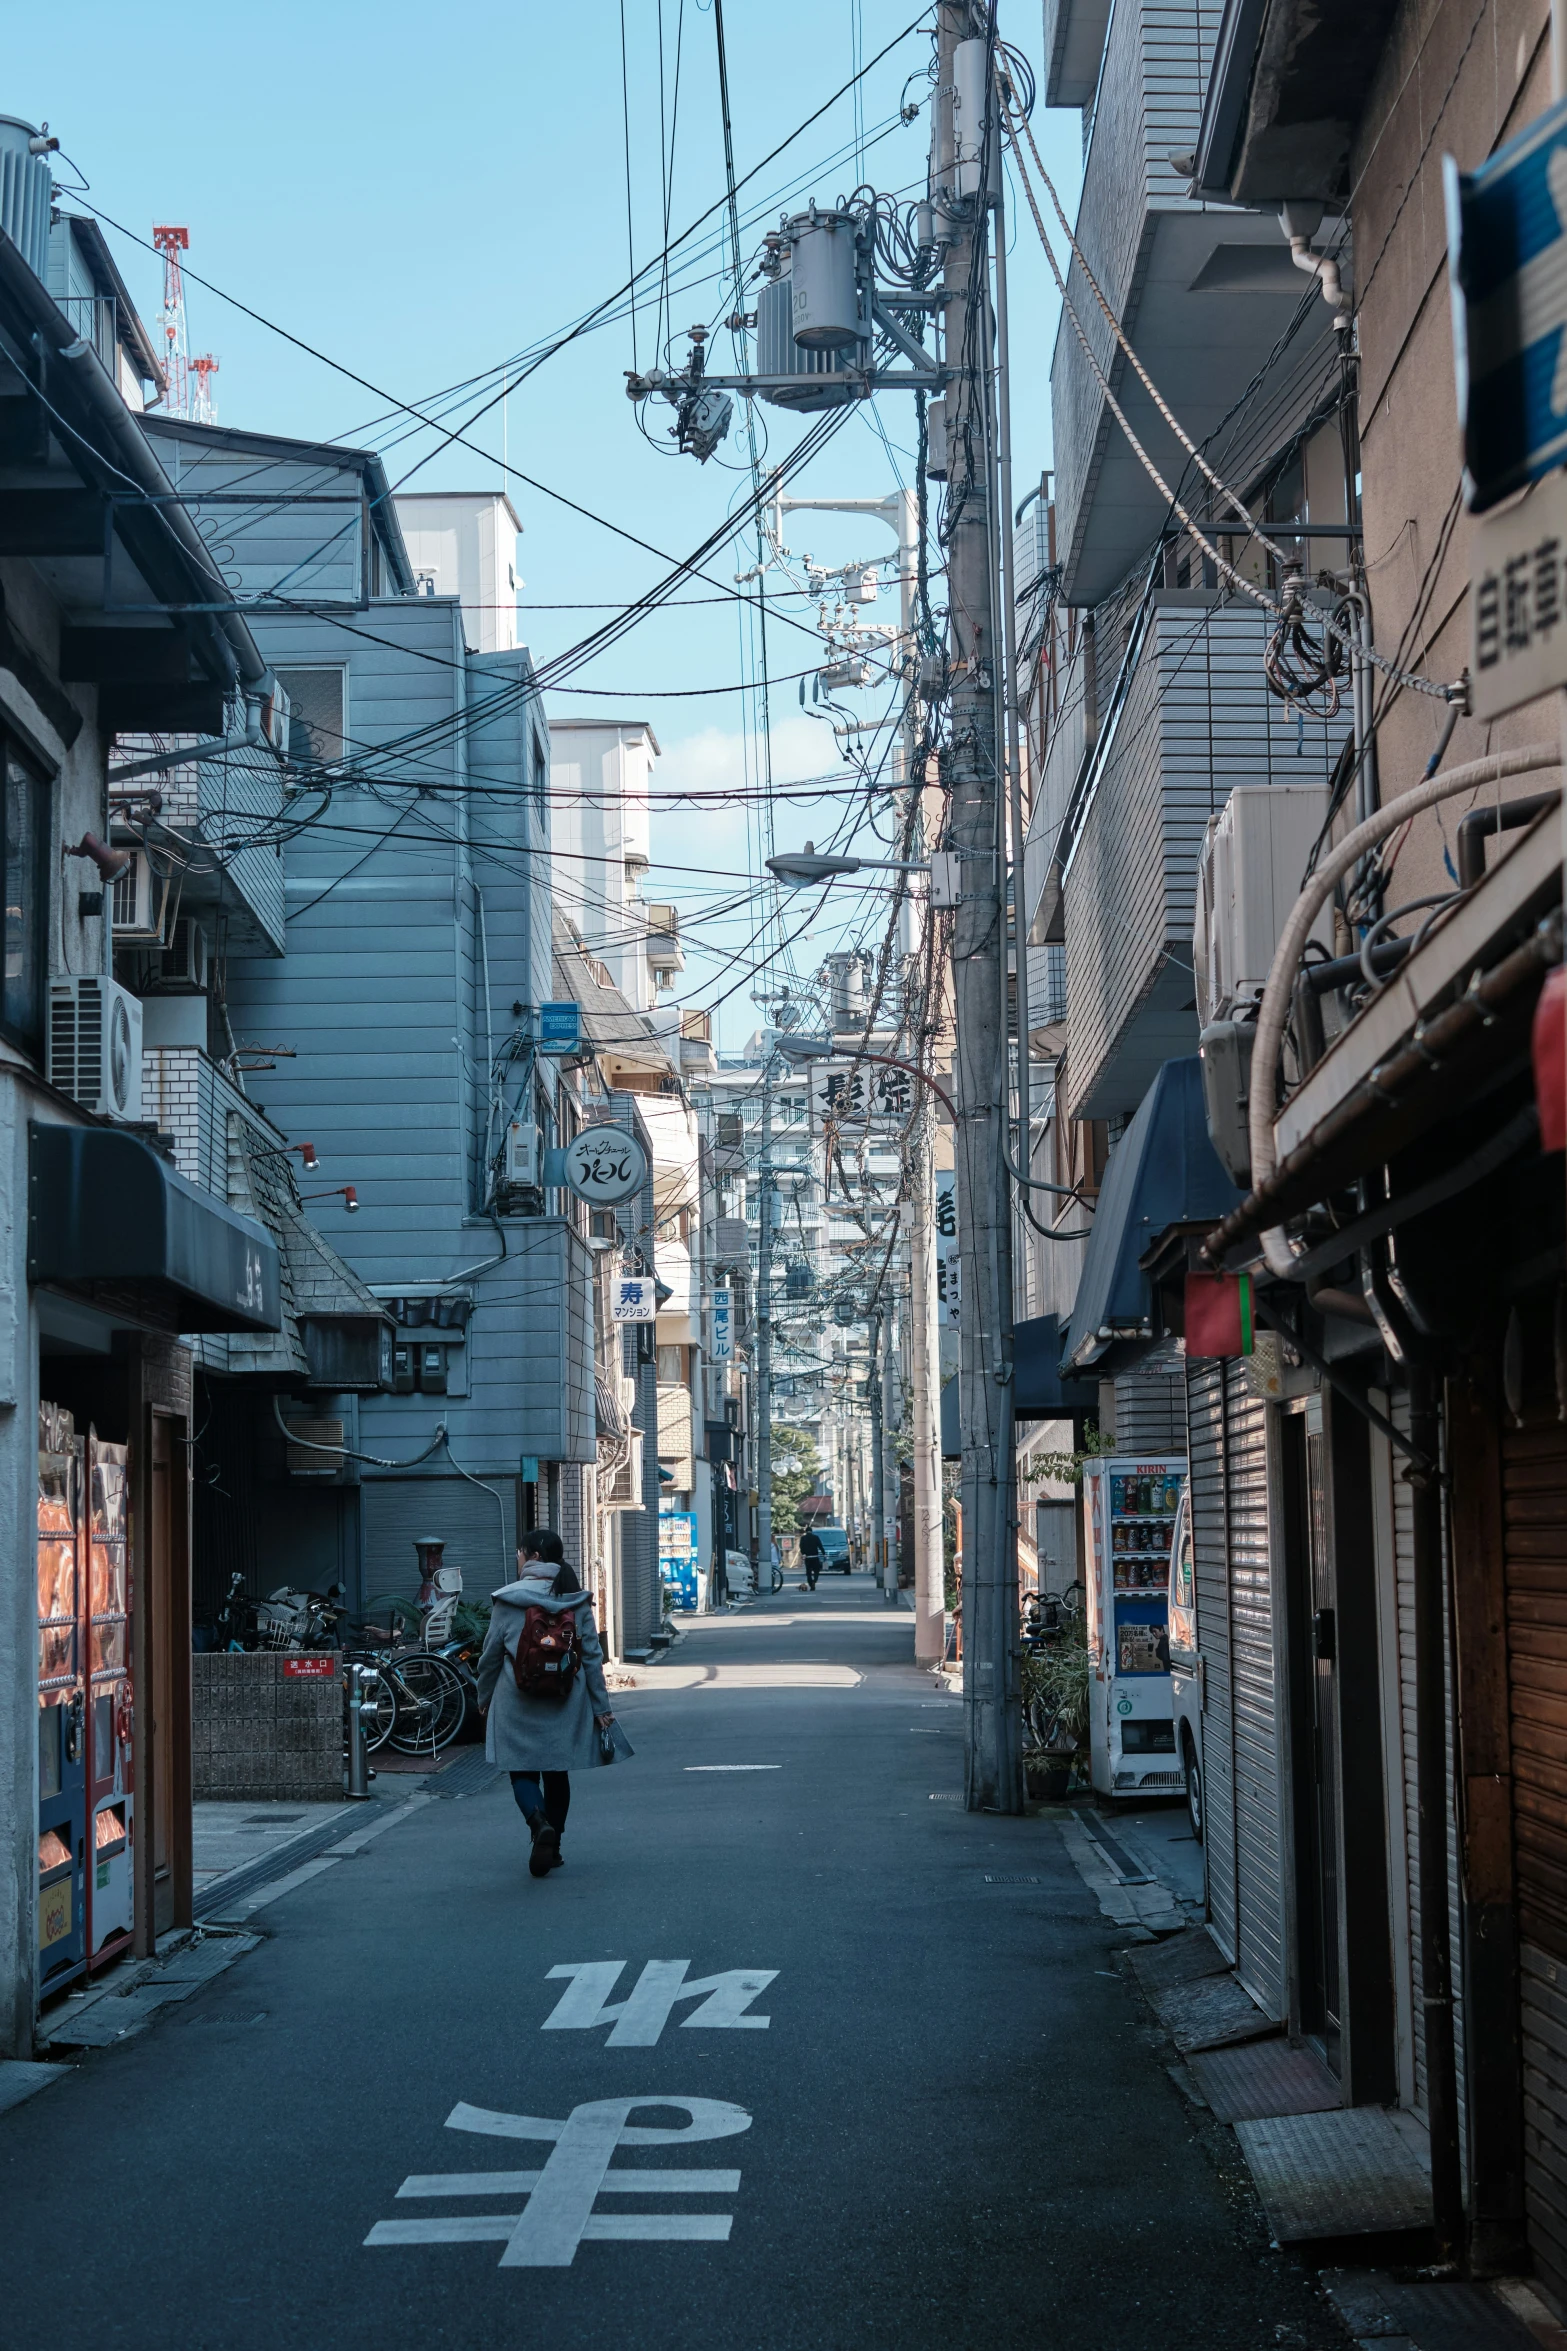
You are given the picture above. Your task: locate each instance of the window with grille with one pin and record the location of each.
(317, 714)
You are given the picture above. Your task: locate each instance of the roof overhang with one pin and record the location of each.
(1290, 79)
(112, 1222)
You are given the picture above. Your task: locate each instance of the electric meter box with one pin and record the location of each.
(823, 278)
(1129, 1507)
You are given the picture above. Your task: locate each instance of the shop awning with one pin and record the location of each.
(112, 1221)
(1038, 1390)
(1163, 1172)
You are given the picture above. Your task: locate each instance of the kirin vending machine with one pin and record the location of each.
(1129, 1508)
(111, 1786)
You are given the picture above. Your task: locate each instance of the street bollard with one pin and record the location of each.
(358, 1756)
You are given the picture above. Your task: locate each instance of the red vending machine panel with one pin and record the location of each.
(110, 1772)
(62, 1825)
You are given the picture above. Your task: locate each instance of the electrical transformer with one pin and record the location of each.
(825, 280)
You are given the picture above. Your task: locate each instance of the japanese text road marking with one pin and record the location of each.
(559, 2214)
(642, 2015)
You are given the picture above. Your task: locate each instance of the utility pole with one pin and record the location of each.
(967, 164)
(930, 1599)
(878, 1461)
(764, 1336)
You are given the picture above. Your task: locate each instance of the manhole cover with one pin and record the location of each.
(1011, 1878)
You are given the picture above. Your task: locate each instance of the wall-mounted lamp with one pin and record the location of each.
(111, 863)
(343, 1192)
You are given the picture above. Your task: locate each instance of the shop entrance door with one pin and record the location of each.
(1314, 1729)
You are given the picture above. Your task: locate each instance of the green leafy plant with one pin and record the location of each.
(795, 1470)
(1066, 1469)
(1056, 1683)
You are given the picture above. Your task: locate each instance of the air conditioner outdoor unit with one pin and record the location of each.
(1249, 875)
(625, 1487)
(140, 903)
(522, 1154)
(94, 1047)
(183, 962)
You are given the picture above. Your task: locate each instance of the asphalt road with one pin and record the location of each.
(957, 2126)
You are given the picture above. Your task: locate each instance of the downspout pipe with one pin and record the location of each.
(253, 739)
(1276, 996)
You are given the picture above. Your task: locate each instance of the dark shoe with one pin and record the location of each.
(546, 1850)
(559, 1861)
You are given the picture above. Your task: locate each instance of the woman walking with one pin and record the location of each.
(541, 1635)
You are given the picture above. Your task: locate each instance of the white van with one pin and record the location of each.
(1186, 1660)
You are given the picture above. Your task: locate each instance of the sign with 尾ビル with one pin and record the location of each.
(636, 1299)
(1518, 602)
(1507, 271)
(721, 1314)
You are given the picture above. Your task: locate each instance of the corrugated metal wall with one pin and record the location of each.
(480, 1538)
(1211, 1550)
(1232, 1538)
(1534, 1472)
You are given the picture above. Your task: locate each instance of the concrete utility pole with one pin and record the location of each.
(878, 1462)
(764, 1336)
(930, 1622)
(967, 166)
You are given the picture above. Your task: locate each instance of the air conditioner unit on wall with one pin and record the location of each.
(1249, 874)
(94, 1045)
(140, 903)
(624, 1491)
(182, 966)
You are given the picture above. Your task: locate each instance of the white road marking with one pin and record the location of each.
(629, 2180)
(640, 2018)
(734, 1767)
(559, 2214)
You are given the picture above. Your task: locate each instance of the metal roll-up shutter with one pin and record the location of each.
(1404, 1569)
(1259, 1861)
(1534, 1473)
(1210, 1547)
(397, 1510)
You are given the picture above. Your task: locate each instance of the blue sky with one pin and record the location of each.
(421, 198)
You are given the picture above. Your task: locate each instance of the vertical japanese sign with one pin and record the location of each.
(947, 1276)
(721, 1322)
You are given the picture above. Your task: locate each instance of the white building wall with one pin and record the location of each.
(465, 544)
(600, 773)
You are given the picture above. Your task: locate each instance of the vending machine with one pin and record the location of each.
(679, 1565)
(1129, 1508)
(62, 1801)
(111, 1785)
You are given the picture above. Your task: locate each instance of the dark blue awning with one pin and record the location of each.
(1164, 1171)
(1038, 1390)
(110, 1220)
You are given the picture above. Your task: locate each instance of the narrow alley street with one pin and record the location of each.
(955, 2125)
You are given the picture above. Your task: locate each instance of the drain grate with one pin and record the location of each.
(469, 1776)
(1011, 1878)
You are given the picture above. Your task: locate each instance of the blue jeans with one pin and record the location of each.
(553, 1801)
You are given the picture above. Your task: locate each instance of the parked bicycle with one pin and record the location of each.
(416, 1700)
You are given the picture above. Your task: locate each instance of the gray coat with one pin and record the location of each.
(539, 1734)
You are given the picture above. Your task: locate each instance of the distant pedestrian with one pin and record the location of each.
(812, 1555)
(542, 1638)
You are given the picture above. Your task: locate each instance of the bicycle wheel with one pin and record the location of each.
(431, 1702)
(777, 1579)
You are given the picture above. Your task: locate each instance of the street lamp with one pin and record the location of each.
(804, 866)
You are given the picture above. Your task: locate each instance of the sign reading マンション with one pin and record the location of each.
(1507, 267)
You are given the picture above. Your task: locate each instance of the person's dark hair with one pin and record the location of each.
(547, 1544)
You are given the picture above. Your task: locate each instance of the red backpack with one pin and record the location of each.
(548, 1655)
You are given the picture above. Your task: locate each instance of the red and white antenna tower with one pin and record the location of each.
(189, 392)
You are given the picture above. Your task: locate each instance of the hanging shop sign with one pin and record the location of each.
(605, 1165)
(636, 1298)
(857, 1098)
(1518, 601)
(560, 1028)
(1507, 269)
(721, 1313)
(947, 1276)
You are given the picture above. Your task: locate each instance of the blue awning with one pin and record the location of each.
(1164, 1171)
(1038, 1390)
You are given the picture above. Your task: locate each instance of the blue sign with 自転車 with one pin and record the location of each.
(1507, 268)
